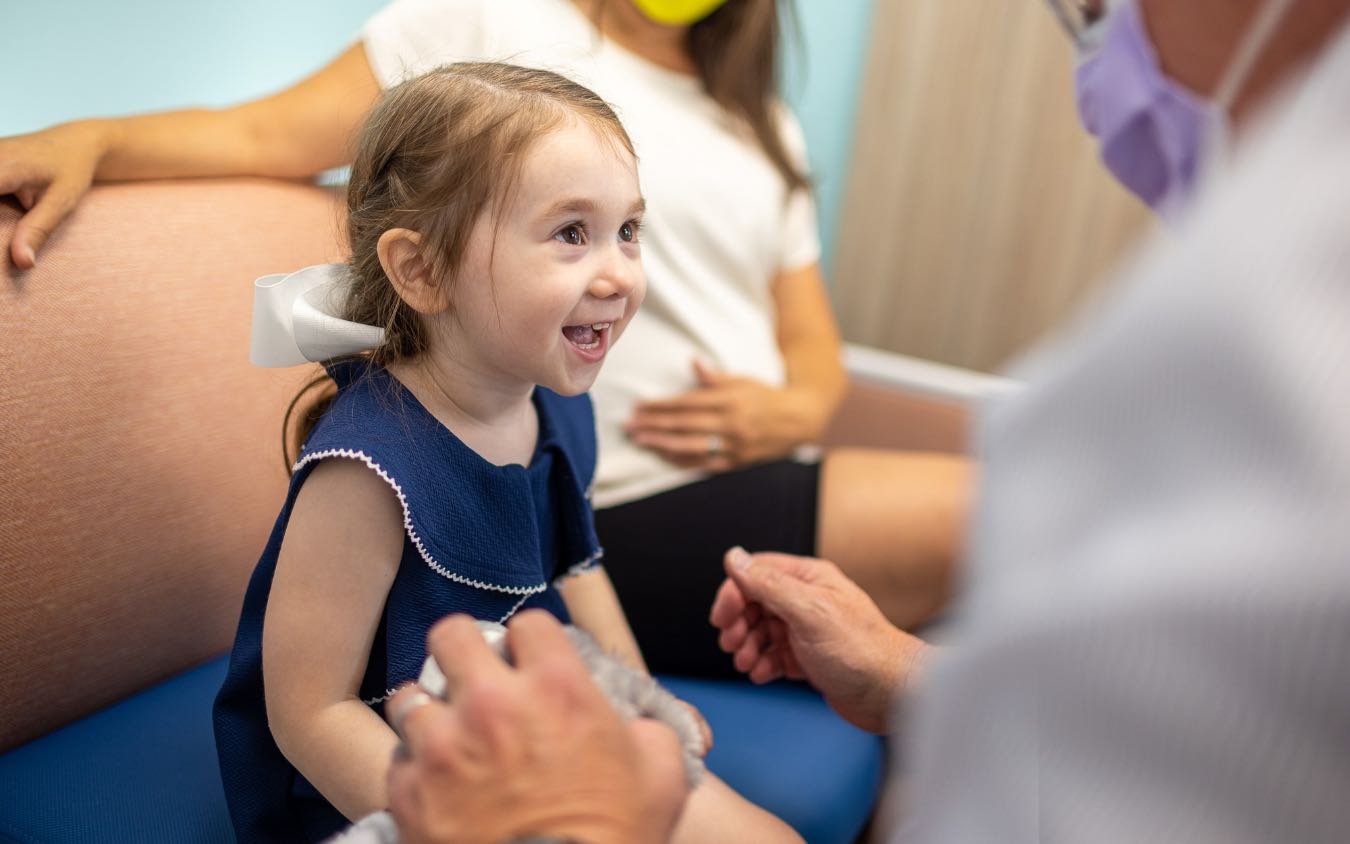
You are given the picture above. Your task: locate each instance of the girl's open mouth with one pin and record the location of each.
(590, 340)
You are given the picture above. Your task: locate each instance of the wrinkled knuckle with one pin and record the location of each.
(560, 679)
(580, 691)
(489, 697)
(822, 606)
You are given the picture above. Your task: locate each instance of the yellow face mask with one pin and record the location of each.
(677, 12)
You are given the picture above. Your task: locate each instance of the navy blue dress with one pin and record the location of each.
(479, 539)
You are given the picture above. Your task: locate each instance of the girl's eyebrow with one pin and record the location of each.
(581, 205)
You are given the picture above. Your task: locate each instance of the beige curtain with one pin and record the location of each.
(977, 214)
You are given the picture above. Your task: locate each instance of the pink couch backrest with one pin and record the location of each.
(140, 456)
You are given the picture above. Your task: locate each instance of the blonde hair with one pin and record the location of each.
(435, 153)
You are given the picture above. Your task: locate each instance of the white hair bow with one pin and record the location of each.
(295, 318)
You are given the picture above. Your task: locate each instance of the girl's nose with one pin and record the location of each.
(617, 277)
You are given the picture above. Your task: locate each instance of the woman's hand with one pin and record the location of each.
(729, 421)
(48, 172)
(291, 134)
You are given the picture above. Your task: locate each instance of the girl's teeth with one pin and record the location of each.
(584, 336)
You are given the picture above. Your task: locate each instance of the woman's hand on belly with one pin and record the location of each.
(729, 421)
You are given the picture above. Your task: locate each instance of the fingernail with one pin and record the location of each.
(740, 559)
(30, 255)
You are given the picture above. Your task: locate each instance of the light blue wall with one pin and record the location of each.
(822, 82)
(71, 58)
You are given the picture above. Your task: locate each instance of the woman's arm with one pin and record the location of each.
(731, 421)
(594, 607)
(808, 338)
(336, 566)
(297, 132)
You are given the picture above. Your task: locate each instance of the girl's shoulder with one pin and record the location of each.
(570, 421)
(376, 419)
(371, 410)
(460, 511)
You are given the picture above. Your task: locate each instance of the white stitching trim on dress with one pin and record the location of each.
(513, 609)
(378, 700)
(390, 692)
(581, 567)
(408, 525)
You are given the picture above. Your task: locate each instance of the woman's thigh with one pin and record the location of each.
(895, 522)
(664, 554)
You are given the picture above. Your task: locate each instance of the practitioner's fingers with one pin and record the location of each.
(766, 669)
(756, 642)
(534, 636)
(462, 653)
(728, 605)
(733, 636)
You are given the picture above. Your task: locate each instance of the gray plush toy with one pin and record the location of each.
(633, 694)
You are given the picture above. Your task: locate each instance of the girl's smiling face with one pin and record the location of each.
(549, 282)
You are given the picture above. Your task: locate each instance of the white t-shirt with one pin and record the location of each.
(719, 225)
(1155, 643)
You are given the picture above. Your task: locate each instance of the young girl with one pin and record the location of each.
(730, 248)
(493, 217)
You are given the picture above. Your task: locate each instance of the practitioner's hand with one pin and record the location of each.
(534, 749)
(729, 421)
(48, 172)
(785, 616)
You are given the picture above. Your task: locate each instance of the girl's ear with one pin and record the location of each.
(401, 258)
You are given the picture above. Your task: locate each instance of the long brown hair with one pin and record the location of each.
(435, 152)
(736, 52)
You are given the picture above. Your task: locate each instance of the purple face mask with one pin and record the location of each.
(1156, 135)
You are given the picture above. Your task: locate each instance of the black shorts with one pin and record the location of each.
(664, 554)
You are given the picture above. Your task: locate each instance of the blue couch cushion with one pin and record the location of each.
(141, 770)
(145, 770)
